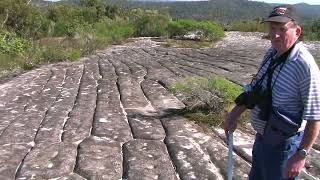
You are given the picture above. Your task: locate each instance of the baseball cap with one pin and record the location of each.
(283, 14)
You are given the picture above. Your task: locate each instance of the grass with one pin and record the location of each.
(215, 93)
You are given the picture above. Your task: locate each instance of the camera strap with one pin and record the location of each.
(274, 63)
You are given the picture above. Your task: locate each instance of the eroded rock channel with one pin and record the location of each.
(110, 115)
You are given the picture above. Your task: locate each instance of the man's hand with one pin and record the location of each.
(296, 162)
(294, 166)
(230, 122)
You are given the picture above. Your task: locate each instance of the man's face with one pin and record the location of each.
(283, 35)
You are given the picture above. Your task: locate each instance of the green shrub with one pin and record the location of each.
(311, 31)
(228, 90)
(6, 63)
(207, 99)
(208, 30)
(53, 54)
(27, 61)
(23, 19)
(186, 86)
(11, 44)
(223, 88)
(17, 52)
(248, 26)
(73, 54)
(110, 31)
(149, 23)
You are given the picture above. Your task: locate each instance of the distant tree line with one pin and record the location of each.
(31, 33)
(235, 15)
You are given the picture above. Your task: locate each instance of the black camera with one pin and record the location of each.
(256, 96)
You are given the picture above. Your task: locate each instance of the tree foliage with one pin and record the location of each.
(311, 31)
(21, 17)
(206, 30)
(149, 22)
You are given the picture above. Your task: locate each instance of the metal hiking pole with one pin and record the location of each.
(230, 157)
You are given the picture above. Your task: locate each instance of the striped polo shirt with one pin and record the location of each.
(296, 90)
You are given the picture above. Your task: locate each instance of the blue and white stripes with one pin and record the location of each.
(297, 87)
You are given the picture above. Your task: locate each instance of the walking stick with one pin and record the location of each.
(230, 157)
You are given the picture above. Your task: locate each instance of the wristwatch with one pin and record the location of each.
(303, 152)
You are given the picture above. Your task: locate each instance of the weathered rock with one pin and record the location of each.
(129, 86)
(105, 101)
(190, 160)
(99, 158)
(146, 127)
(49, 161)
(72, 176)
(110, 120)
(52, 125)
(243, 143)
(11, 156)
(160, 98)
(79, 125)
(145, 159)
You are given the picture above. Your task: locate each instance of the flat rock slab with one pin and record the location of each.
(49, 161)
(146, 159)
(111, 115)
(197, 155)
(99, 158)
(146, 127)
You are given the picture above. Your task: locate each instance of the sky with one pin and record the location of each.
(313, 2)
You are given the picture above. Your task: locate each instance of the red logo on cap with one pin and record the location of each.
(280, 10)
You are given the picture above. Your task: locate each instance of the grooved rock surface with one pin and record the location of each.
(111, 116)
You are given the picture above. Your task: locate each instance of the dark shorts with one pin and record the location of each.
(269, 162)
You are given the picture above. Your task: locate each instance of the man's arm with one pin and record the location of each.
(296, 162)
(230, 122)
(310, 134)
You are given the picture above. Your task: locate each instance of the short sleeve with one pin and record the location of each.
(310, 92)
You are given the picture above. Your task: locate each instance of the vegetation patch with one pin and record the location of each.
(202, 30)
(248, 26)
(207, 99)
(311, 31)
(61, 31)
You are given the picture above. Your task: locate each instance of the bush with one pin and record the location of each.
(219, 86)
(228, 90)
(113, 31)
(149, 23)
(12, 45)
(207, 99)
(74, 54)
(53, 54)
(311, 31)
(6, 63)
(23, 19)
(248, 26)
(208, 31)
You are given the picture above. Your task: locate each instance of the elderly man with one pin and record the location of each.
(285, 102)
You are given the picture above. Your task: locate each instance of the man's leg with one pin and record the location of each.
(275, 158)
(255, 172)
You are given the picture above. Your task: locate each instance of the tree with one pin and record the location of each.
(22, 17)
